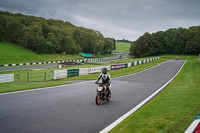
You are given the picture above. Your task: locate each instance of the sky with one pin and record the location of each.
(119, 19)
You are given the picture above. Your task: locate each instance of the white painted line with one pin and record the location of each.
(73, 83)
(115, 123)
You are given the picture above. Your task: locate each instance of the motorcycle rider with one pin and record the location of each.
(106, 79)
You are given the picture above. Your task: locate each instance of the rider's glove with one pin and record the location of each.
(96, 82)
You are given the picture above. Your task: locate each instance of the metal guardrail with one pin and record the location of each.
(58, 74)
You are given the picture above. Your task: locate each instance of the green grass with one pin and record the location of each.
(22, 84)
(10, 53)
(173, 109)
(123, 47)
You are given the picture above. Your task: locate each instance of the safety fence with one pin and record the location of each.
(36, 76)
(100, 59)
(64, 61)
(66, 73)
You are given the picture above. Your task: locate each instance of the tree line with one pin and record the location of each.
(171, 41)
(123, 41)
(52, 36)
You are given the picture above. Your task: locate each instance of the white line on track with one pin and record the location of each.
(115, 123)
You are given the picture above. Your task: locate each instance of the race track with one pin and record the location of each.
(72, 108)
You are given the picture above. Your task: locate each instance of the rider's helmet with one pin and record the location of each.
(104, 70)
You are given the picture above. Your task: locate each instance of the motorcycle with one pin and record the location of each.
(102, 93)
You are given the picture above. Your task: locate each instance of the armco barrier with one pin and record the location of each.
(125, 65)
(129, 64)
(114, 67)
(6, 78)
(132, 64)
(59, 74)
(50, 62)
(83, 71)
(194, 126)
(72, 72)
(135, 63)
(97, 69)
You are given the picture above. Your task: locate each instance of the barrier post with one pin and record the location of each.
(27, 76)
(45, 78)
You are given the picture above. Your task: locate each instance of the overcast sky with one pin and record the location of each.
(120, 19)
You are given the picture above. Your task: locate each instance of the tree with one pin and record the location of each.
(68, 45)
(142, 45)
(98, 49)
(35, 37)
(157, 43)
(108, 45)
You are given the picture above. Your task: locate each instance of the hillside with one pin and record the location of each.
(123, 47)
(10, 53)
(51, 36)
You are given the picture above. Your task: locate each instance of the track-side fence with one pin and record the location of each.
(66, 73)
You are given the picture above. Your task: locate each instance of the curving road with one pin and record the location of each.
(72, 108)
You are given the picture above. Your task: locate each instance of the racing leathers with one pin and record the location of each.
(106, 79)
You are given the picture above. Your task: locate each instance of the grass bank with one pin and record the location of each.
(39, 83)
(10, 53)
(173, 109)
(123, 47)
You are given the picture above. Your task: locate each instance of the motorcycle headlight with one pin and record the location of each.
(99, 88)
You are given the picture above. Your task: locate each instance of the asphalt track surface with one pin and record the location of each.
(27, 67)
(72, 108)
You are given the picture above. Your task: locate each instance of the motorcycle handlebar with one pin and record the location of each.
(101, 84)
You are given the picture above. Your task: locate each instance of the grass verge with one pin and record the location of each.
(173, 109)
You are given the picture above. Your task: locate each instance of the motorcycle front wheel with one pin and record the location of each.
(98, 99)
